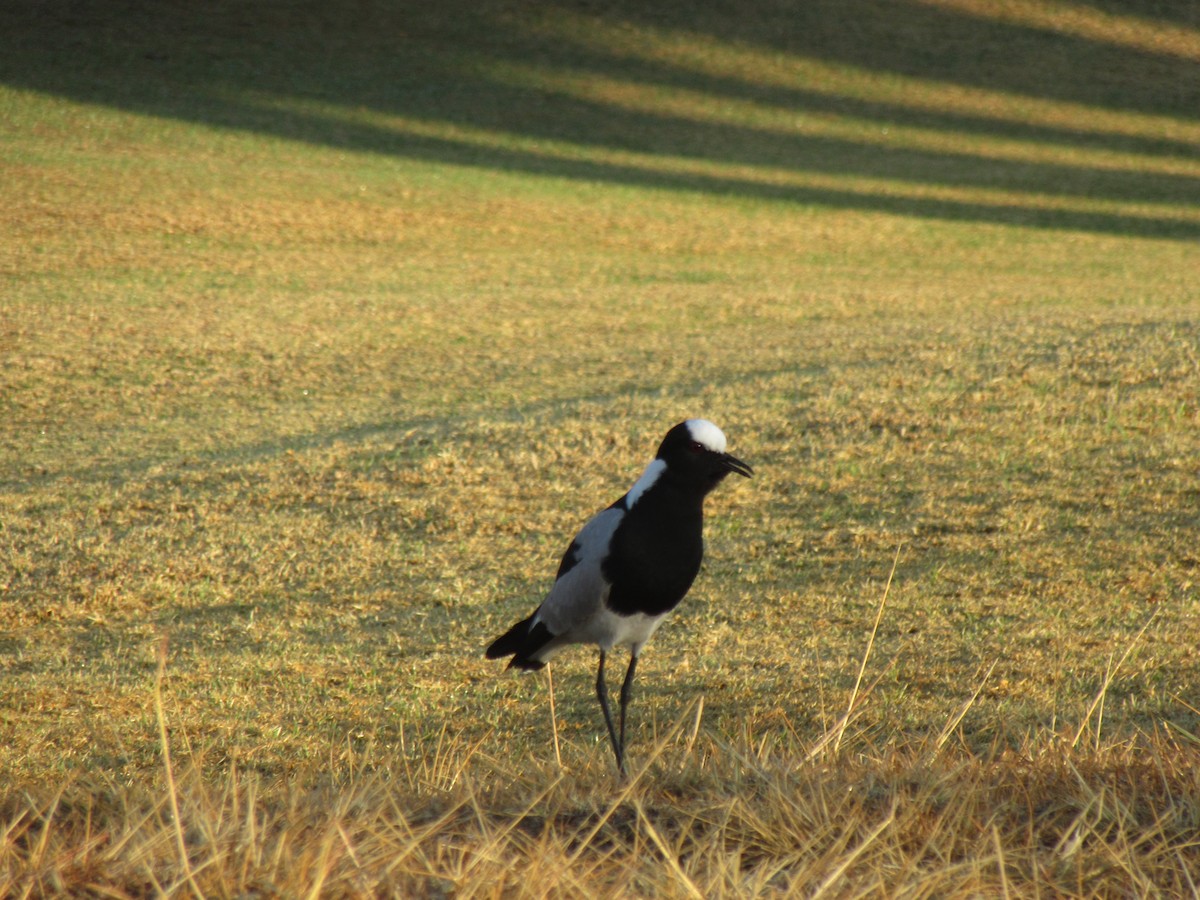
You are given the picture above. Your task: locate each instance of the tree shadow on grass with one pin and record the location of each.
(326, 75)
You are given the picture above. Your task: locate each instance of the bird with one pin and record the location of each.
(629, 566)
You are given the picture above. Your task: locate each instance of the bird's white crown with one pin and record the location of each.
(706, 433)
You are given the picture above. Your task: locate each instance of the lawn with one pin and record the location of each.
(323, 329)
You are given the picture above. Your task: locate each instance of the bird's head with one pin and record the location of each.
(694, 451)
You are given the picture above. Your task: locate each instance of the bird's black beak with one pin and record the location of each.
(733, 464)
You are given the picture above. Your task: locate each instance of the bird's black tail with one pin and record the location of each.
(510, 642)
(521, 642)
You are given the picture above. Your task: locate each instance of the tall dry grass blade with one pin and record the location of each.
(349, 847)
(627, 788)
(1184, 733)
(954, 721)
(1185, 704)
(417, 836)
(1000, 864)
(821, 704)
(159, 890)
(667, 853)
(834, 877)
(1183, 867)
(841, 727)
(133, 830)
(19, 829)
(843, 722)
(1073, 835)
(169, 770)
(496, 839)
(326, 861)
(553, 717)
(1109, 674)
(693, 734)
(192, 873)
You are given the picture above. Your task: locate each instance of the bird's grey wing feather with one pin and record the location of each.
(579, 592)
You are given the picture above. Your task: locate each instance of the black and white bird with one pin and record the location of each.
(629, 566)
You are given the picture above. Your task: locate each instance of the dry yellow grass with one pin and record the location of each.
(312, 367)
(760, 813)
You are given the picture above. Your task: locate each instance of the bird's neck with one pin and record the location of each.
(672, 499)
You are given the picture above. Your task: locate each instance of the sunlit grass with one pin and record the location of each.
(1082, 20)
(704, 55)
(785, 119)
(317, 386)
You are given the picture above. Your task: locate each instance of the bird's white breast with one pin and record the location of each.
(610, 630)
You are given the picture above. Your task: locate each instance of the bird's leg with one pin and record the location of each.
(602, 695)
(626, 691)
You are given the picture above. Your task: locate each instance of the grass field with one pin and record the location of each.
(323, 328)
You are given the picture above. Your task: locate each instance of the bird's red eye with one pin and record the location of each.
(696, 447)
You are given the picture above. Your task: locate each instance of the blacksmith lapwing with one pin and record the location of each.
(630, 565)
